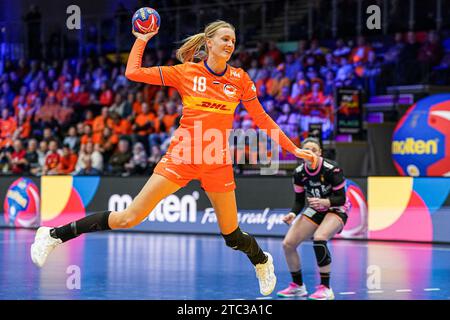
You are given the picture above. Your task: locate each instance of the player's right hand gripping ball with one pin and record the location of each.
(146, 20)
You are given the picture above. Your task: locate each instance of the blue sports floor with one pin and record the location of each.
(167, 266)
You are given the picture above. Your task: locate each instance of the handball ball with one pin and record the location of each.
(146, 20)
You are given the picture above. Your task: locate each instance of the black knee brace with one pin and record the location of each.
(323, 255)
(244, 242)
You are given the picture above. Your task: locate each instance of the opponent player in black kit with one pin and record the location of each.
(322, 193)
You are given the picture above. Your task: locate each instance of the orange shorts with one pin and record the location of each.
(213, 177)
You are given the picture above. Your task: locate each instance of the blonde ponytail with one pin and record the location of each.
(191, 48)
(194, 47)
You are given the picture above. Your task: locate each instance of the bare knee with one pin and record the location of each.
(290, 245)
(319, 236)
(124, 220)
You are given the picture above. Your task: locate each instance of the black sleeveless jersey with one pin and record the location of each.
(319, 183)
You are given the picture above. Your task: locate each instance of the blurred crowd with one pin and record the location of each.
(83, 117)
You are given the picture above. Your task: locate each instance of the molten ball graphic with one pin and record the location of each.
(21, 204)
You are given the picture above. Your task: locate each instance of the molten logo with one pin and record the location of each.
(411, 146)
(176, 209)
(211, 105)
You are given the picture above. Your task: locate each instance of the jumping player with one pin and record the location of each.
(323, 192)
(210, 91)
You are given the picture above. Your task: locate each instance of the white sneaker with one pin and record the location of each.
(265, 272)
(43, 244)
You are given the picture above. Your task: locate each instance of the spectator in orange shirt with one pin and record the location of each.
(23, 125)
(108, 143)
(149, 92)
(52, 159)
(170, 116)
(143, 126)
(101, 121)
(144, 122)
(49, 111)
(160, 99)
(317, 104)
(277, 82)
(65, 114)
(121, 127)
(137, 105)
(8, 126)
(88, 136)
(89, 118)
(67, 161)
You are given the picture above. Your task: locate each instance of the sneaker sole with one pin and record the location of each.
(271, 288)
(282, 295)
(33, 257)
(331, 298)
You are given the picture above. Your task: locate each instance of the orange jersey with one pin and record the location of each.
(209, 99)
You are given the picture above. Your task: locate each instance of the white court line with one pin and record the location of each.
(403, 290)
(389, 244)
(431, 289)
(264, 298)
(347, 293)
(375, 291)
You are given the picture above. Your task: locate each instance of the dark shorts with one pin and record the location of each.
(317, 217)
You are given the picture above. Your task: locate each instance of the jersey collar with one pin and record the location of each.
(211, 71)
(317, 169)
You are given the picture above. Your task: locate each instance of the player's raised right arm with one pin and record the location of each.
(135, 71)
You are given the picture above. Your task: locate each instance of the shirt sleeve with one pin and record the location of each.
(172, 76)
(159, 75)
(249, 89)
(337, 180)
(265, 122)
